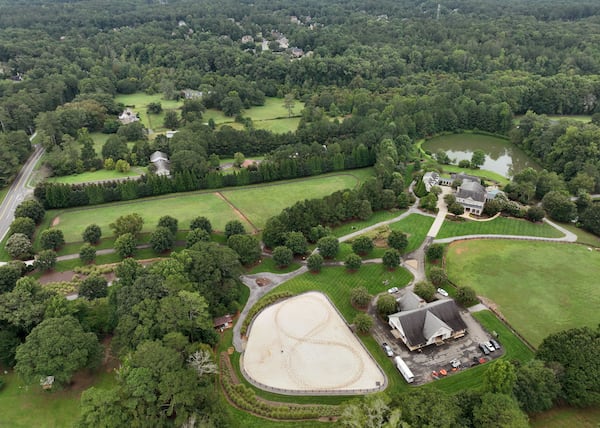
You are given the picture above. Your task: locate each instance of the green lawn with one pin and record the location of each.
(488, 175)
(257, 202)
(184, 207)
(540, 288)
(353, 226)
(139, 103)
(268, 265)
(261, 203)
(25, 406)
(583, 236)
(3, 193)
(102, 174)
(498, 226)
(567, 417)
(416, 227)
(513, 346)
(272, 109)
(278, 126)
(336, 282)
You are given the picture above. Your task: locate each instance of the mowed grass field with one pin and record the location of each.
(25, 406)
(498, 226)
(139, 101)
(102, 174)
(337, 283)
(540, 288)
(183, 207)
(567, 417)
(261, 203)
(257, 203)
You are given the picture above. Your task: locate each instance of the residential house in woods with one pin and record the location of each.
(161, 161)
(128, 116)
(470, 193)
(424, 325)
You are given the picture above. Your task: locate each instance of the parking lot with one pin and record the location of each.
(435, 358)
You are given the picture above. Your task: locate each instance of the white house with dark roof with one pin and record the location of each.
(430, 324)
(472, 196)
(128, 116)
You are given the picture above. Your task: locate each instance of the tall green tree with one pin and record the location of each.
(57, 347)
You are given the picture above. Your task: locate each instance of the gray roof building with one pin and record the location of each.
(432, 323)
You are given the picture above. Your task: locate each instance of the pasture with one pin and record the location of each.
(139, 101)
(540, 288)
(262, 202)
(498, 226)
(26, 406)
(101, 174)
(183, 207)
(257, 203)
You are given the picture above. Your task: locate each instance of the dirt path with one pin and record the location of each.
(235, 209)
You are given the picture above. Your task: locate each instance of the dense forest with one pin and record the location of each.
(374, 77)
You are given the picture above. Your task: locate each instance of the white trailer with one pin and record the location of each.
(404, 370)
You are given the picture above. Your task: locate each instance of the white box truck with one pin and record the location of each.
(404, 370)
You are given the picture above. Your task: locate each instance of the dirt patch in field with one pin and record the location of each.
(380, 243)
(56, 221)
(57, 277)
(492, 305)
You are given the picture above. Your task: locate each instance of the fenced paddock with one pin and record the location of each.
(303, 346)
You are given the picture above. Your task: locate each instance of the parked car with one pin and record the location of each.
(393, 290)
(455, 364)
(442, 292)
(495, 343)
(388, 349)
(484, 349)
(490, 346)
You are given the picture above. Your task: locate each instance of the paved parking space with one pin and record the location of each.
(435, 358)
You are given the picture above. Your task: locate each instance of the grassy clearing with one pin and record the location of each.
(257, 202)
(337, 282)
(567, 417)
(184, 207)
(3, 193)
(540, 288)
(278, 126)
(416, 227)
(498, 226)
(487, 175)
(102, 174)
(268, 265)
(29, 406)
(513, 346)
(353, 226)
(261, 203)
(583, 237)
(139, 104)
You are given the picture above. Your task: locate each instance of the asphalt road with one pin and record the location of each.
(18, 190)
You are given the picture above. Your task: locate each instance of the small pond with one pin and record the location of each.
(501, 156)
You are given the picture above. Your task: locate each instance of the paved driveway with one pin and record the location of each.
(435, 358)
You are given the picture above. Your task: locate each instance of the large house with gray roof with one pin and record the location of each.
(472, 196)
(421, 325)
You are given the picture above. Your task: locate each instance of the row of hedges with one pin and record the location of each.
(60, 195)
(260, 305)
(245, 398)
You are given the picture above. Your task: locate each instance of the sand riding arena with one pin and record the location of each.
(303, 346)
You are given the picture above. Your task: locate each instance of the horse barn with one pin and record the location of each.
(424, 325)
